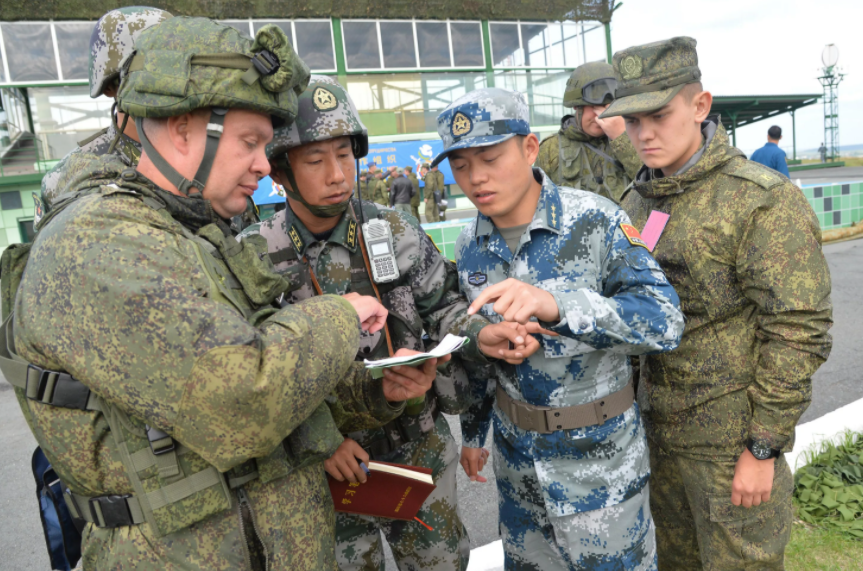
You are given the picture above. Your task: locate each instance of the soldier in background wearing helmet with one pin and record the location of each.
(319, 238)
(590, 153)
(741, 246)
(112, 41)
(187, 413)
(415, 197)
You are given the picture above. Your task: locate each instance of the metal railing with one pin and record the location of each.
(24, 155)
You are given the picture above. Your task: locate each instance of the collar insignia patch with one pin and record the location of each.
(633, 235)
(352, 234)
(294, 234)
(324, 100)
(461, 125)
(477, 279)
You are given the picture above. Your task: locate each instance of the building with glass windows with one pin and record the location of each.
(401, 62)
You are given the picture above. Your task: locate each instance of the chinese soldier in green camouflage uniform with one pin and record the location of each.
(112, 41)
(378, 190)
(742, 249)
(589, 153)
(415, 198)
(318, 239)
(187, 414)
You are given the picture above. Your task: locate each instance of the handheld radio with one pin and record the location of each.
(379, 243)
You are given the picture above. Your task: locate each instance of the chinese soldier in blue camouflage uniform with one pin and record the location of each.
(741, 246)
(317, 242)
(570, 452)
(590, 153)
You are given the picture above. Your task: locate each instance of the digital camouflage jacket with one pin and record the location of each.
(425, 297)
(148, 300)
(742, 249)
(568, 160)
(614, 301)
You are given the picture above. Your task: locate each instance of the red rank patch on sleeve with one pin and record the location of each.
(633, 235)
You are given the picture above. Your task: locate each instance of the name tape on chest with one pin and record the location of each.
(633, 235)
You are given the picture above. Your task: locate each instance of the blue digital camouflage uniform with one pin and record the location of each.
(570, 499)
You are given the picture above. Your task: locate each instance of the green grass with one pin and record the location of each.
(826, 534)
(816, 548)
(849, 162)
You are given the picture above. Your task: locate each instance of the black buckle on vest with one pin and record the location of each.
(66, 391)
(154, 435)
(115, 511)
(265, 62)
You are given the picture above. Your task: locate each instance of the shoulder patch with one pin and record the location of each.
(754, 172)
(633, 235)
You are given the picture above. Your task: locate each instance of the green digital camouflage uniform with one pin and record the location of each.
(424, 297)
(380, 194)
(165, 324)
(742, 249)
(573, 158)
(112, 41)
(432, 211)
(415, 199)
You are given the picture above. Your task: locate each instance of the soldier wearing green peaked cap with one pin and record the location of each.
(185, 410)
(741, 246)
(320, 239)
(589, 153)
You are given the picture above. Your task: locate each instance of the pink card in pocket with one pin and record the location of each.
(653, 229)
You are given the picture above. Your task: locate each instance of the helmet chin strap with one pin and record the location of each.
(215, 127)
(328, 211)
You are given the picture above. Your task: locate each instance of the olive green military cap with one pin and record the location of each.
(650, 75)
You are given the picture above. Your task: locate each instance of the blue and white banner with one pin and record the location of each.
(407, 154)
(268, 192)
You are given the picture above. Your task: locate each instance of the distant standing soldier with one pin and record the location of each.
(590, 153)
(415, 197)
(380, 195)
(441, 196)
(364, 185)
(430, 190)
(319, 238)
(822, 150)
(741, 245)
(112, 41)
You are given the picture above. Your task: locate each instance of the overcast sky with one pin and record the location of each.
(752, 47)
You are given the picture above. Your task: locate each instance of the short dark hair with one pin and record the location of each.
(775, 132)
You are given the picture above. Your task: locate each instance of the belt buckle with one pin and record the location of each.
(43, 381)
(114, 509)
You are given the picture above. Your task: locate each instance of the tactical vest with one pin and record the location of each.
(611, 182)
(174, 488)
(403, 321)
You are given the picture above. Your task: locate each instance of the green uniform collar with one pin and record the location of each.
(716, 152)
(346, 232)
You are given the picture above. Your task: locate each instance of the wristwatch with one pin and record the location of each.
(761, 450)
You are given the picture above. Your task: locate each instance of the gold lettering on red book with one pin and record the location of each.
(398, 507)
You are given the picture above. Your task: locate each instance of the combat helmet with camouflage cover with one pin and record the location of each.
(325, 111)
(186, 63)
(590, 84)
(113, 40)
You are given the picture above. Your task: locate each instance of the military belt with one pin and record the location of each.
(545, 419)
(105, 511)
(384, 446)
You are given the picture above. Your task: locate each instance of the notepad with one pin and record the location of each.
(449, 344)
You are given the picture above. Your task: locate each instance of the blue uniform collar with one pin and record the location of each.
(546, 217)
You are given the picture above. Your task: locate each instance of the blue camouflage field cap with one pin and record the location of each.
(482, 118)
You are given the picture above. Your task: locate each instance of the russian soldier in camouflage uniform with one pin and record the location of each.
(380, 194)
(187, 414)
(415, 197)
(318, 238)
(742, 248)
(571, 457)
(112, 41)
(590, 153)
(431, 187)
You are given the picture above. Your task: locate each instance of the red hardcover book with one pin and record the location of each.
(393, 491)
